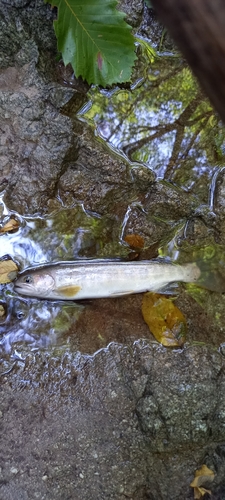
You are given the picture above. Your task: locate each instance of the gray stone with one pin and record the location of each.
(122, 423)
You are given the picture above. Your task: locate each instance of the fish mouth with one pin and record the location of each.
(18, 287)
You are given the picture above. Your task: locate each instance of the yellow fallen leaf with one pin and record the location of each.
(8, 271)
(164, 319)
(202, 475)
(200, 492)
(11, 225)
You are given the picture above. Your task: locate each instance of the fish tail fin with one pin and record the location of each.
(212, 275)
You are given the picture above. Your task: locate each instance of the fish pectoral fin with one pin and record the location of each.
(121, 294)
(169, 289)
(68, 290)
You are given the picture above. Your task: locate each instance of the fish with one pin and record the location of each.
(94, 278)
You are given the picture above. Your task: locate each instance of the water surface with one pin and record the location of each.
(163, 123)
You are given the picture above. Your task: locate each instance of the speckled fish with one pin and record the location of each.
(90, 279)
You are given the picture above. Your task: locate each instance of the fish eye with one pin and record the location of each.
(28, 279)
(20, 315)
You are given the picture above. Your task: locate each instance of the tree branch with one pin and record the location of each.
(197, 27)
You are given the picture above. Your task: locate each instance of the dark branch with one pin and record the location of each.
(198, 29)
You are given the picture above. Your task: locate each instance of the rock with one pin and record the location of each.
(108, 425)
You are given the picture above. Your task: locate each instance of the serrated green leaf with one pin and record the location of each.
(93, 36)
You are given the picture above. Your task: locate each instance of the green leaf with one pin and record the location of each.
(93, 36)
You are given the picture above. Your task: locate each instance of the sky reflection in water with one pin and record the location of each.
(166, 123)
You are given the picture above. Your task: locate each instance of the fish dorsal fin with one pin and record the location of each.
(68, 290)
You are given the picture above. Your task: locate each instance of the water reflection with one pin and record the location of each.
(67, 234)
(166, 123)
(37, 323)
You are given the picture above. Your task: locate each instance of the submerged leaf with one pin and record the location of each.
(134, 240)
(8, 271)
(11, 225)
(164, 319)
(93, 36)
(2, 312)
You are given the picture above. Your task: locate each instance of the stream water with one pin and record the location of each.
(164, 124)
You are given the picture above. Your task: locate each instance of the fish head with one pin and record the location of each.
(34, 284)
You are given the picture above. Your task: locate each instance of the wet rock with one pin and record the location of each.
(35, 137)
(23, 22)
(133, 10)
(143, 176)
(140, 222)
(164, 195)
(108, 425)
(34, 141)
(95, 178)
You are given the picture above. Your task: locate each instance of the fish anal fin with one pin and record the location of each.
(68, 290)
(121, 294)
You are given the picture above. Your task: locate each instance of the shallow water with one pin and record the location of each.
(164, 123)
(67, 234)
